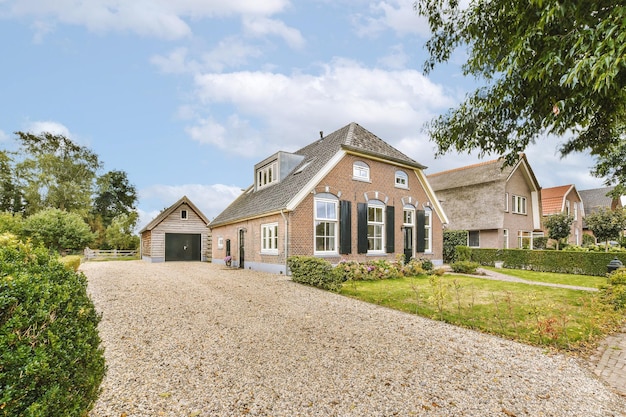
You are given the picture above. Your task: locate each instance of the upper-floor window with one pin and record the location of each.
(360, 171)
(402, 179)
(576, 212)
(375, 226)
(519, 204)
(567, 207)
(269, 238)
(326, 226)
(267, 175)
(183, 214)
(506, 202)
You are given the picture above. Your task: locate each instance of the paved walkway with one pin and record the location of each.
(609, 360)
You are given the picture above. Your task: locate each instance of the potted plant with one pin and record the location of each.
(228, 260)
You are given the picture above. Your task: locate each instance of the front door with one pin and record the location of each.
(241, 248)
(408, 243)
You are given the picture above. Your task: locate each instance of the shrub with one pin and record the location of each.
(614, 292)
(51, 362)
(452, 239)
(315, 272)
(464, 267)
(464, 253)
(72, 262)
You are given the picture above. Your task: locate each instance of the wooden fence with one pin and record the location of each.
(95, 254)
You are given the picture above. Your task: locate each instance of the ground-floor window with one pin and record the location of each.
(269, 238)
(473, 239)
(326, 226)
(375, 226)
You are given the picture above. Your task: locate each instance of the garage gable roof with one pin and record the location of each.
(163, 215)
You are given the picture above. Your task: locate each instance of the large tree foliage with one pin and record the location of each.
(550, 68)
(607, 224)
(56, 173)
(115, 196)
(10, 193)
(559, 227)
(58, 230)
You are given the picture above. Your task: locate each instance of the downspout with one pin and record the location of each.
(286, 240)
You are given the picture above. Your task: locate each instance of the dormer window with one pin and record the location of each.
(267, 175)
(402, 179)
(360, 171)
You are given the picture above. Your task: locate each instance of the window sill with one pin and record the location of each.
(274, 253)
(362, 179)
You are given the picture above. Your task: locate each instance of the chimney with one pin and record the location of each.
(321, 134)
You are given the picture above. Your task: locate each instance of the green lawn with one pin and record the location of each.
(556, 317)
(569, 279)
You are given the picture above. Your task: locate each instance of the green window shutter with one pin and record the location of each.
(361, 227)
(390, 236)
(345, 227)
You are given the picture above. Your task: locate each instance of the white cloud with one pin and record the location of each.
(342, 92)
(55, 128)
(155, 18)
(396, 15)
(262, 26)
(210, 199)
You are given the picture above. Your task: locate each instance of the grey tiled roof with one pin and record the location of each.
(596, 198)
(275, 197)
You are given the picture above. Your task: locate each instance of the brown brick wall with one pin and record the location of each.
(338, 182)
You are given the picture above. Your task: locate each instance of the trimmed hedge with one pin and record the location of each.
(51, 362)
(315, 272)
(452, 239)
(566, 262)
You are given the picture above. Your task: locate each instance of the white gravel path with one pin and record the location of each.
(196, 339)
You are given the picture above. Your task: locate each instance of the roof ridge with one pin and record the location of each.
(461, 168)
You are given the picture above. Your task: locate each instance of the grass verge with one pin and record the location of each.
(565, 319)
(551, 277)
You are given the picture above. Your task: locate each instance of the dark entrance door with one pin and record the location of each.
(241, 248)
(408, 243)
(182, 247)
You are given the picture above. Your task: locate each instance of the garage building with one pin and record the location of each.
(178, 233)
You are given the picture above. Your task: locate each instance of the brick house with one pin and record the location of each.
(499, 206)
(597, 199)
(564, 199)
(348, 195)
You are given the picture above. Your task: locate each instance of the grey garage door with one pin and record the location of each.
(182, 247)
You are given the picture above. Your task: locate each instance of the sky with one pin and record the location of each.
(186, 96)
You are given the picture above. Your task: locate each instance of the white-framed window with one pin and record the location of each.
(575, 211)
(519, 204)
(326, 226)
(524, 239)
(409, 216)
(375, 226)
(220, 242)
(506, 202)
(269, 238)
(360, 171)
(567, 207)
(267, 175)
(473, 239)
(401, 179)
(183, 214)
(505, 237)
(428, 230)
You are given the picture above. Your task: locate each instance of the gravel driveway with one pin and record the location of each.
(196, 339)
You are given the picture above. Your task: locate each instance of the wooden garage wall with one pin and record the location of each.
(174, 224)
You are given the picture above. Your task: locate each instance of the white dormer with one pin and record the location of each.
(275, 169)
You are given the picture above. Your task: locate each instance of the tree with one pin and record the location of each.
(120, 235)
(10, 194)
(550, 68)
(56, 173)
(607, 224)
(114, 196)
(559, 227)
(59, 230)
